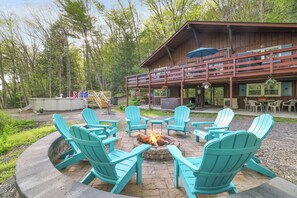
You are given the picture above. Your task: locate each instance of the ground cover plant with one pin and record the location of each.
(15, 136)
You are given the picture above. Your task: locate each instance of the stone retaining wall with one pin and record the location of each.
(36, 176)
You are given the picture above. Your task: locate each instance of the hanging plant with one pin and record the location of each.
(271, 82)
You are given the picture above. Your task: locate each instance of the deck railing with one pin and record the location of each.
(272, 62)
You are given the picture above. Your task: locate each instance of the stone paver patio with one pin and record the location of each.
(158, 176)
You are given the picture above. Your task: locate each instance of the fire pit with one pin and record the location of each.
(158, 150)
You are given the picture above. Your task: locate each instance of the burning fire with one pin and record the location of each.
(153, 139)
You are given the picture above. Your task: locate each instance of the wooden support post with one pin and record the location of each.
(181, 93)
(231, 91)
(127, 93)
(230, 38)
(206, 72)
(202, 96)
(149, 90)
(271, 62)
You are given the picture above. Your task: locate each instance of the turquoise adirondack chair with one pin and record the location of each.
(261, 127)
(116, 167)
(93, 122)
(180, 120)
(222, 122)
(213, 172)
(133, 119)
(73, 155)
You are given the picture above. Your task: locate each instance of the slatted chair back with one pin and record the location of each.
(63, 129)
(181, 114)
(95, 151)
(224, 118)
(90, 116)
(262, 125)
(224, 158)
(133, 114)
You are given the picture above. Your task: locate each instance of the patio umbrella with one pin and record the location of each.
(200, 52)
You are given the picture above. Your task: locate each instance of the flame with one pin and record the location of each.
(154, 138)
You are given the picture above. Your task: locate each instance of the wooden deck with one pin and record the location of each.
(277, 62)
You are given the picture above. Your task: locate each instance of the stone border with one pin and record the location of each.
(158, 153)
(36, 176)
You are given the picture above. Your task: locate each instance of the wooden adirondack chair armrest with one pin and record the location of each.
(187, 120)
(198, 124)
(109, 140)
(104, 126)
(177, 155)
(168, 119)
(102, 136)
(98, 132)
(128, 120)
(145, 119)
(216, 128)
(218, 133)
(136, 151)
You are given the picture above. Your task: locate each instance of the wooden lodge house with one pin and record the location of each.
(249, 54)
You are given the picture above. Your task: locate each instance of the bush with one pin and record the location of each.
(136, 102)
(9, 125)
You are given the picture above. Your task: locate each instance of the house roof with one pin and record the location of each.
(185, 32)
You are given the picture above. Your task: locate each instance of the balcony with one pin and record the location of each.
(257, 64)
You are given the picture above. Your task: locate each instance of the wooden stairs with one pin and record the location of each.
(100, 99)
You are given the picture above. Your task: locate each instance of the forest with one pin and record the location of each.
(82, 45)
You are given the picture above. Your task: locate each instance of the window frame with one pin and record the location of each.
(263, 90)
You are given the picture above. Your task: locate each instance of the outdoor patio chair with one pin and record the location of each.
(274, 105)
(73, 155)
(180, 120)
(213, 172)
(290, 104)
(246, 104)
(93, 122)
(254, 105)
(115, 167)
(222, 122)
(261, 127)
(133, 119)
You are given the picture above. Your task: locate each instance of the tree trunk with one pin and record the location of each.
(4, 100)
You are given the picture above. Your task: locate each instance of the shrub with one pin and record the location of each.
(9, 125)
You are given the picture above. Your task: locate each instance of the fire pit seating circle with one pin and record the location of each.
(158, 151)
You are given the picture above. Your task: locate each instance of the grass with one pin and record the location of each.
(11, 147)
(285, 120)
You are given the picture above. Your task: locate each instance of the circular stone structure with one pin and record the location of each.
(158, 153)
(36, 175)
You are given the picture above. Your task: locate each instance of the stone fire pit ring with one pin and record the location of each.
(158, 153)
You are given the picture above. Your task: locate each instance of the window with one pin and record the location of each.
(160, 92)
(260, 89)
(254, 90)
(272, 90)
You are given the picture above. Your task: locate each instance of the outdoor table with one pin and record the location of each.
(156, 122)
(264, 103)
